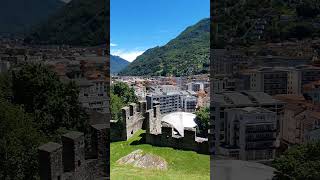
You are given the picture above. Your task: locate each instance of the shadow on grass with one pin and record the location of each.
(140, 140)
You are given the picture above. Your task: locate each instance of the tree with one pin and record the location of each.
(121, 95)
(202, 120)
(125, 92)
(52, 103)
(116, 104)
(19, 140)
(5, 86)
(299, 162)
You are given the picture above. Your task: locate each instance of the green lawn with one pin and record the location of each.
(181, 164)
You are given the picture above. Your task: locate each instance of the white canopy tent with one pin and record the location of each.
(180, 120)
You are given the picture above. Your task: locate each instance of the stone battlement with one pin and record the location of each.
(189, 141)
(71, 160)
(137, 116)
(134, 117)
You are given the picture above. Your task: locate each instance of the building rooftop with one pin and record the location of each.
(238, 98)
(244, 98)
(261, 97)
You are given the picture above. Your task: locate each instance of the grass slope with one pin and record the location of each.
(181, 164)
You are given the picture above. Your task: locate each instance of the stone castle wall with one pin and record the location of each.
(137, 117)
(189, 142)
(71, 161)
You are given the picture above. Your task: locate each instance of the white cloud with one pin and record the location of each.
(113, 45)
(127, 55)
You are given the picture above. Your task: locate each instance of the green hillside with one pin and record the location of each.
(250, 22)
(185, 55)
(17, 16)
(80, 22)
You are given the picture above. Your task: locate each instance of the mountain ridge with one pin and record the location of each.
(17, 16)
(78, 23)
(117, 64)
(187, 54)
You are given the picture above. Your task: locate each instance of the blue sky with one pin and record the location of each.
(137, 25)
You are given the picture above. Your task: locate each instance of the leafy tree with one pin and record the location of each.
(301, 162)
(125, 92)
(202, 120)
(19, 140)
(116, 104)
(5, 86)
(121, 95)
(52, 103)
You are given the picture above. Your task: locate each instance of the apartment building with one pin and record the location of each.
(283, 80)
(189, 103)
(172, 101)
(227, 62)
(251, 133)
(232, 99)
(93, 95)
(197, 86)
(169, 102)
(271, 80)
(140, 92)
(300, 76)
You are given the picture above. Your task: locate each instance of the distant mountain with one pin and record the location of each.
(80, 22)
(185, 55)
(117, 64)
(17, 16)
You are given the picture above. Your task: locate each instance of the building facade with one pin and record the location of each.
(251, 133)
(229, 100)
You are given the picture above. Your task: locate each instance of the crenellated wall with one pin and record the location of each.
(68, 161)
(188, 142)
(136, 117)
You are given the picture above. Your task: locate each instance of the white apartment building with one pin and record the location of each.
(169, 102)
(251, 133)
(172, 101)
(270, 80)
(93, 95)
(233, 99)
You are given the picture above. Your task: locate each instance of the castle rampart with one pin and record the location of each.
(68, 161)
(136, 117)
